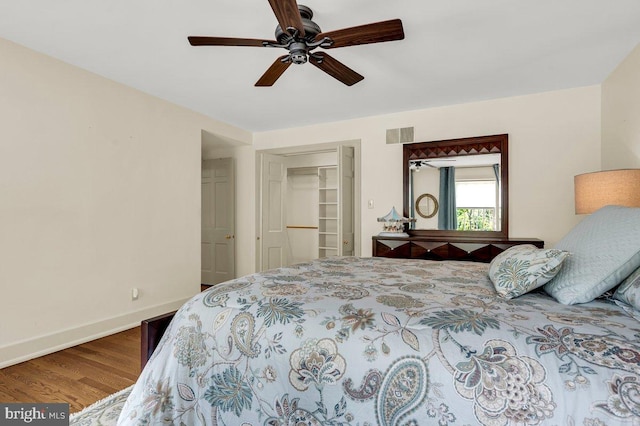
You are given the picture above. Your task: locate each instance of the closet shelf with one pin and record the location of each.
(328, 211)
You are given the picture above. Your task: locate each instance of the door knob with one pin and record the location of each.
(228, 237)
(345, 242)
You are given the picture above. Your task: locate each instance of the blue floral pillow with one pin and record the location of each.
(629, 290)
(523, 268)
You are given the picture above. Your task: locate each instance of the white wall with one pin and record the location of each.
(621, 115)
(552, 137)
(99, 193)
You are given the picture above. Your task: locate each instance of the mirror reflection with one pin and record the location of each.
(468, 178)
(460, 193)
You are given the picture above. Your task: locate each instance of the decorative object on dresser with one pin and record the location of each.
(393, 224)
(446, 248)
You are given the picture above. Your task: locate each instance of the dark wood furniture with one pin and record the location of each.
(435, 244)
(449, 248)
(151, 331)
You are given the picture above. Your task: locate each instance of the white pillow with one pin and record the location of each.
(605, 249)
(523, 268)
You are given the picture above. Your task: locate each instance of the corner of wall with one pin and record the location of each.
(620, 115)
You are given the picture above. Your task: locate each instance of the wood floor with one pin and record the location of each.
(80, 375)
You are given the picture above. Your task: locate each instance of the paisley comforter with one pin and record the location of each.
(377, 341)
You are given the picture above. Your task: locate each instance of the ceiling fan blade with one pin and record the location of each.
(274, 72)
(364, 34)
(335, 68)
(288, 15)
(228, 41)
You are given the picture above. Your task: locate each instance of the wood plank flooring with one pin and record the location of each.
(80, 375)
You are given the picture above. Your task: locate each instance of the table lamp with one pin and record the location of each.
(611, 187)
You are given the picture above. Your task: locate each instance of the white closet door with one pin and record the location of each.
(346, 175)
(272, 210)
(218, 221)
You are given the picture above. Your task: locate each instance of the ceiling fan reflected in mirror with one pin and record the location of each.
(419, 164)
(300, 36)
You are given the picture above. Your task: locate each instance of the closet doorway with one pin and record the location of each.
(307, 205)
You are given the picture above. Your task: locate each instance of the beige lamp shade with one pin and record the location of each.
(612, 187)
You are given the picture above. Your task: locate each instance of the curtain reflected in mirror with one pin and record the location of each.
(447, 219)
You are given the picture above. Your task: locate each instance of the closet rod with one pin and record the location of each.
(301, 227)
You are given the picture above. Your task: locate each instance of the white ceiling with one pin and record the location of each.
(454, 51)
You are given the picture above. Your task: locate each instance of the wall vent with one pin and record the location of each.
(401, 135)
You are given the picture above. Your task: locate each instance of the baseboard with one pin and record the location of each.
(44, 345)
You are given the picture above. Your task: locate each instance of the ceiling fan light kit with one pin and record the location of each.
(299, 35)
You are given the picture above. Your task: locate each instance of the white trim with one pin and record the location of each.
(43, 345)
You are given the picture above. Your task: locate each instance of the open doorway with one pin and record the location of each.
(218, 207)
(308, 204)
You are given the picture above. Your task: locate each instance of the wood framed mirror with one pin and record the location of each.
(477, 168)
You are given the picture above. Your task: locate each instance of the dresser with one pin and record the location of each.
(447, 248)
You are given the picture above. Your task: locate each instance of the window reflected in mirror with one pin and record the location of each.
(477, 199)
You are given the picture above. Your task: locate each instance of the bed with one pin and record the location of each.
(381, 341)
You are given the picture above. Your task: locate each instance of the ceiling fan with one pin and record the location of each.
(298, 34)
(418, 164)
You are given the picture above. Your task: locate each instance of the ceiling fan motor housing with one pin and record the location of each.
(298, 46)
(298, 52)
